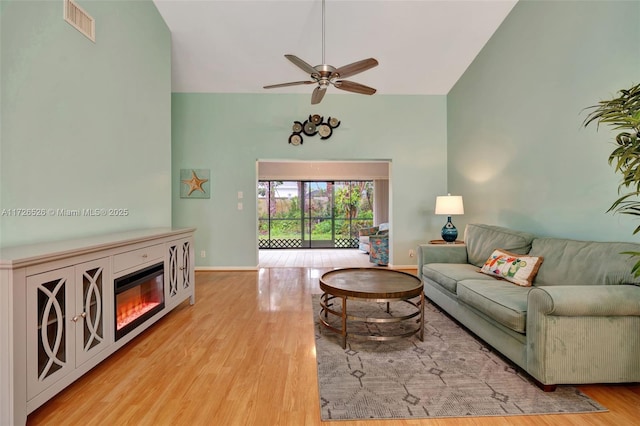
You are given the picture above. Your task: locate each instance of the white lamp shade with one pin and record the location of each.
(449, 205)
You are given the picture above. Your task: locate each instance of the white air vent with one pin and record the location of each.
(80, 19)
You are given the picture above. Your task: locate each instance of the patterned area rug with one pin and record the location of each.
(450, 374)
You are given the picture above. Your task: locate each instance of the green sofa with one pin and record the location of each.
(578, 323)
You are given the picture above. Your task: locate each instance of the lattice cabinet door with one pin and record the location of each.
(69, 320)
(50, 335)
(93, 315)
(172, 271)
(186, 252)
(179, 270)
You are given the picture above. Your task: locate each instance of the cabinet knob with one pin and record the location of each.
(144, 256)
(182, 268)
(77, 317)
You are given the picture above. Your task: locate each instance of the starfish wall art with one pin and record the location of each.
(194, 183)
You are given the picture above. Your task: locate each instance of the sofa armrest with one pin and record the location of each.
(440, 253)
(368, 231)
(375, 237)
(586, 300)
(583, 334)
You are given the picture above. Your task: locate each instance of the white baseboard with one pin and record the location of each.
(226, 268)
(255, 268)
(402, 266)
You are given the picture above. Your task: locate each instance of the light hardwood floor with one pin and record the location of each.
(314, 258)
(244, 354)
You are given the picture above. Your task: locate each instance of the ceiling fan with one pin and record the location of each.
(326, 75)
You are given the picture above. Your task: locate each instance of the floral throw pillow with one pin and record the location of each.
(517, 268)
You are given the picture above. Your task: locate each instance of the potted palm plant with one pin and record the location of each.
(623, 114)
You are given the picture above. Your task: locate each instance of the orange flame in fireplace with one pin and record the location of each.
(133, 310)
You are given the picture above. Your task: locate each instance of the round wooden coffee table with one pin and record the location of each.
(373, 285)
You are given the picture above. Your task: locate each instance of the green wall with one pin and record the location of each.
(516, 148)
(227, 133)
(84, 125)
(88, 126)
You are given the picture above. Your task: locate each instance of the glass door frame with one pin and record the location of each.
(306, 216)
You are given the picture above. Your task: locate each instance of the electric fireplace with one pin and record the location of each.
(138, 297)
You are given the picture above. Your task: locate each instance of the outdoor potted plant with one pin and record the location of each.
(623, 114)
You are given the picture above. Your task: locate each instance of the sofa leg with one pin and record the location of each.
(545, 388)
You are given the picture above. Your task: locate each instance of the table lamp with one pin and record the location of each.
(449, 205)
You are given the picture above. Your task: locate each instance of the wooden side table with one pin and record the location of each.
(444, 242)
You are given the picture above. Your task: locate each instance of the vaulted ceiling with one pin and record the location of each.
(237, 46)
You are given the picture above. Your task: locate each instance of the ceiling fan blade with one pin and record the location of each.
(356, 67)
(351, 86)
(318, 94)
(293, 83)
(301, 64)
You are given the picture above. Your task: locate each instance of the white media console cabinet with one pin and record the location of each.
(58, 303)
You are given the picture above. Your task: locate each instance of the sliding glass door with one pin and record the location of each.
(317, 217)
(313, 214)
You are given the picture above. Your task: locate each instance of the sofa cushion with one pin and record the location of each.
(519, 269)
(482, 240)
(570, 262)
(503, 302)
(364, 233)
(448, 274)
